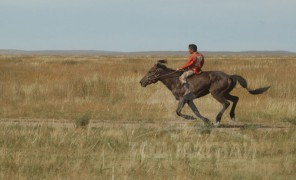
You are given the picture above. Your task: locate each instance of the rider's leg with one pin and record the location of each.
(183, 79)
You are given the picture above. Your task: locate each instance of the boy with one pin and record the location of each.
(193, 66)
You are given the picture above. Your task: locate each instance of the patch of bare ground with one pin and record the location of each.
(172, 124)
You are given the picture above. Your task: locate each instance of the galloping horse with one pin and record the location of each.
(218, 83)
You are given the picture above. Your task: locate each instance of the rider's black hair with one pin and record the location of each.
(193, 47)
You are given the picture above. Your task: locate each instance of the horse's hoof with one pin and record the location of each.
(218, 124)
(233, 119)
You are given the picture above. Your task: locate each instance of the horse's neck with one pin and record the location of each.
(170, 82)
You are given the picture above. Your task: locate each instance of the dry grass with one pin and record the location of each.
(61, 87)
(43, 152)
(108, 87)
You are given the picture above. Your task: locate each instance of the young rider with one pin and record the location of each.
(193, 66)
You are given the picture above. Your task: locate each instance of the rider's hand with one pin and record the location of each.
(178, 69)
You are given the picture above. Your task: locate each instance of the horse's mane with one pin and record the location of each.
(163, 64)
(163, 61)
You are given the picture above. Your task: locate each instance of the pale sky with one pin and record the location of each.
(147, 25)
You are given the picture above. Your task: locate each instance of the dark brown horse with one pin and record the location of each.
(217, 83)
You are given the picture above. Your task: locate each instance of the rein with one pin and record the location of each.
(164, 76)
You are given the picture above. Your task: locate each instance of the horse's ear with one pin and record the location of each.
(162, 61)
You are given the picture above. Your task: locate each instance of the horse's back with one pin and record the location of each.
(207, 79)
(211, 75)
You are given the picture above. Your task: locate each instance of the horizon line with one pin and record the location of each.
(115, 51)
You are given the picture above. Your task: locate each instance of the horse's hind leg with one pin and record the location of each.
(179, 109)
(219, 97)
(197, 113)
(234, 100)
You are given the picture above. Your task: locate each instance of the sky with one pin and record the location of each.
(148, 25)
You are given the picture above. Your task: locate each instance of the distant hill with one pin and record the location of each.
(181, 53)
(144, 53)
(58, 52)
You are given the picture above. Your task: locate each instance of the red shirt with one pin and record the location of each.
(195, 62)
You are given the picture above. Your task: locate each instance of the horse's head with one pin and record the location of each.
(153, 74)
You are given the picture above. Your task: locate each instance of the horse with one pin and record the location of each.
(216, 83)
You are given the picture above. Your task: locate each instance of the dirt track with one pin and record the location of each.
(173, 124)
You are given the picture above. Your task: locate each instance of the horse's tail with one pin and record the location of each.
(243, 82)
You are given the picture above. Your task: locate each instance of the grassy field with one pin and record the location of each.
(134, 132)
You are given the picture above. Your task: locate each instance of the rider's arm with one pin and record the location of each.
(188, 64)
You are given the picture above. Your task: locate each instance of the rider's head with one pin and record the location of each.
(192, 48)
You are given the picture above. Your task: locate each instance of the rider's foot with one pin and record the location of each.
(188, 95)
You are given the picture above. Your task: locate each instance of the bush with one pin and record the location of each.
(83, 120)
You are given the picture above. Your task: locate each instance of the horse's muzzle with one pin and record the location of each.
(147, 82)
(143, 84)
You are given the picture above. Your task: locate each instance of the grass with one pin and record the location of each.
(140, 137)
(292, 120)
(43, 152)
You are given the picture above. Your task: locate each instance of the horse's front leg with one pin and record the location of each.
(179, 109)
(197, 113)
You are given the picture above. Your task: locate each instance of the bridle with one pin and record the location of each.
(155, 77)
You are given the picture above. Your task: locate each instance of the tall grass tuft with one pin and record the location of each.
(292, 120)
(83, 120)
